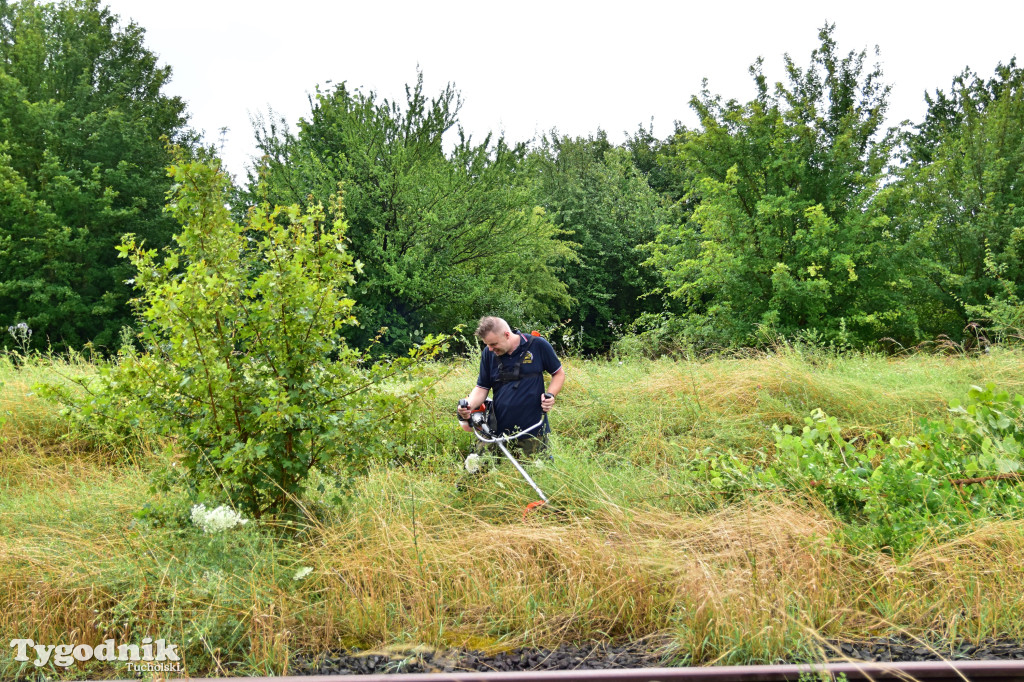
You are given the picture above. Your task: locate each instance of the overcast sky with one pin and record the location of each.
(526, 67)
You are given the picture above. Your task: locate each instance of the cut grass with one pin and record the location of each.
(639, 553)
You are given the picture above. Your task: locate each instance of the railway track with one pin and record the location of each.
(966, 671)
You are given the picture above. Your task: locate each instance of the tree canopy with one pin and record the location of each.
(961, 195)
(794, 214)
(783, 232)
(603, 203)
(440, 234)
(83, 129)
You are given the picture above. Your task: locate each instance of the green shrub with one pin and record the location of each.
(893, 493)
(242, 361)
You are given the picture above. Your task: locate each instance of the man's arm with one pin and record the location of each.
(477, 397)
(557, 379)
(479, 393)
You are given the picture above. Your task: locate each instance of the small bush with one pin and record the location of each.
(242, 360)
(894, 493)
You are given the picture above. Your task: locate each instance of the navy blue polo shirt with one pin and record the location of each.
(517, 404)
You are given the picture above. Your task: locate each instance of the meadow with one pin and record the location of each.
(680, 517)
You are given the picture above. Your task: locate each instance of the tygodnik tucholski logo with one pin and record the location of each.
(151, 656)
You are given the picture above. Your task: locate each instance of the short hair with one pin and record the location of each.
(491, 324)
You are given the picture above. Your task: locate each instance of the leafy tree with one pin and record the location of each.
(443, 236)
(604, 204)
(653, 158)
(949, 112)
(243, 361)
(962, 196)
(81, 163)
(783, 233)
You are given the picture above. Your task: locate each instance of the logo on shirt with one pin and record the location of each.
(528, 358)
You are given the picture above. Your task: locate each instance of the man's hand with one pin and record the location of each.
(475, 399)
(547, 401)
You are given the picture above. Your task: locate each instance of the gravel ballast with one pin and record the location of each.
(601, 656)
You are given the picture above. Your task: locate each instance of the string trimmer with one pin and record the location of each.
(484, 432)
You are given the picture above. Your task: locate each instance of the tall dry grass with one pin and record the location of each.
(411, 560)
(753, 582)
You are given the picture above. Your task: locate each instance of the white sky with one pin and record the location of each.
(525, 67)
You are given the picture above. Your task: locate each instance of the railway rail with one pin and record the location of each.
(932, 671)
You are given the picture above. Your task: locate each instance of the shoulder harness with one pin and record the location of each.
(510, 373)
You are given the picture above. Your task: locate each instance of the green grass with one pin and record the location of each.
(643, 549)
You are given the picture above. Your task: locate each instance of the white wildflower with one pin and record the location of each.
(216, 520)
(473, 463)
(303, 572)
(21, 332)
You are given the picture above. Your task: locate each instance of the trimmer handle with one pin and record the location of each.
(462, 403)
(549, 395)
(481, 408)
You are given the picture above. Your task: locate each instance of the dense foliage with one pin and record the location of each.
(952, 472)
(82, 162)
(443, 235)
(604, 205)
(795, 214)
(783, 232)
(243, 362)
(961, 196)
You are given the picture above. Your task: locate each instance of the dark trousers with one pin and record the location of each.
(530, 448)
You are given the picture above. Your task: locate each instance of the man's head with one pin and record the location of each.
(498, 336)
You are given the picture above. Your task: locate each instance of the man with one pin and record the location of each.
(513, 366)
